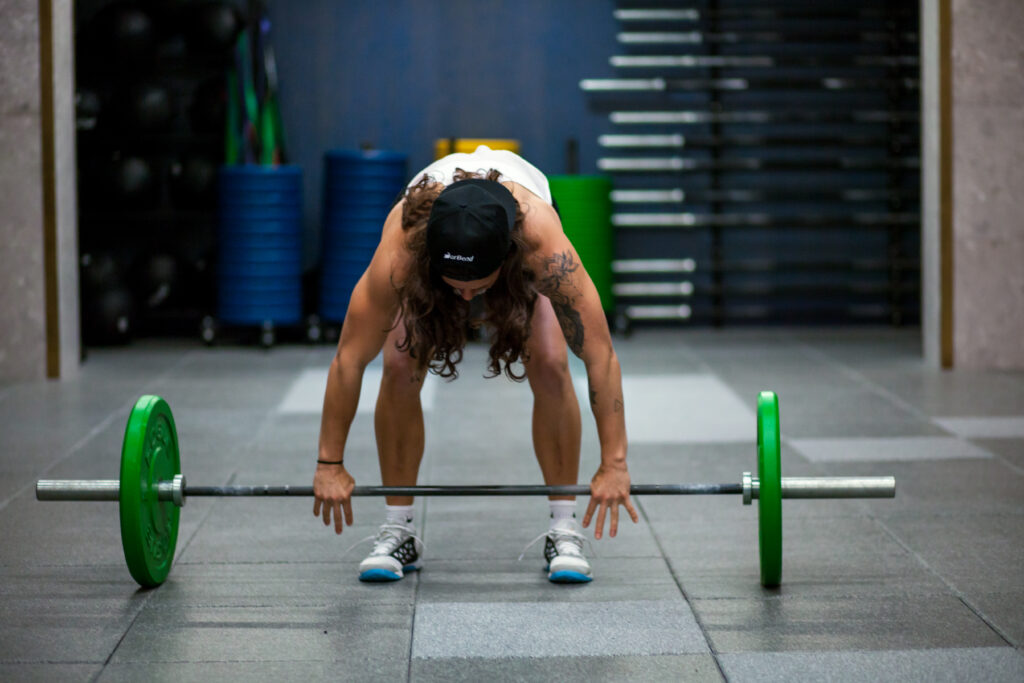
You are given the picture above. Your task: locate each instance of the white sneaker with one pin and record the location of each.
(563, 551)
(396, 550)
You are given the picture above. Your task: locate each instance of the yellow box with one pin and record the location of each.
(445, 146)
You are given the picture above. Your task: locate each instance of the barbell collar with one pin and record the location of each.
(173, 490)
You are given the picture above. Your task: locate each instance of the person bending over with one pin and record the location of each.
(475, 225)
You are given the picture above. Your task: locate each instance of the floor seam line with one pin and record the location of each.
(682, 591)
(124, 635)
(957, 593)
(415, 601)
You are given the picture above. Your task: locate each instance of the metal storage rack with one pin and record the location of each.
(765, 160)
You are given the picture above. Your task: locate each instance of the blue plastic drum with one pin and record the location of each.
(259, 273)
(360, 188)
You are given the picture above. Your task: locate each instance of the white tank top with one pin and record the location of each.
(511, 166)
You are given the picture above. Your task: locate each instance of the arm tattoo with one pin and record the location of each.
(557, 286)
(593, 398)
(618, 405)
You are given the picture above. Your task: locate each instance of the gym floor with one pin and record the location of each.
(927, 586)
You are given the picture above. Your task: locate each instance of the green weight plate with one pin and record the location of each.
(149, 527)
(769, 502)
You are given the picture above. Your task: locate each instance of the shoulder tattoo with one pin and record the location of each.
(557, 285)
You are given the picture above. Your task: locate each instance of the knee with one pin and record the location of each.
(549, 375)
(400, 373)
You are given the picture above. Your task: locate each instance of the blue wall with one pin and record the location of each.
(400, 74)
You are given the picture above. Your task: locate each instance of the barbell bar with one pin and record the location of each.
(152, 490)
(177, 490)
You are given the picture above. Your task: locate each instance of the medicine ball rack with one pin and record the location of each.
(772, 150)
(149, 118)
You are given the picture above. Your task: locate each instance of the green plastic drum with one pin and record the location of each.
(585, 206)
(769, 502)
(149, 527)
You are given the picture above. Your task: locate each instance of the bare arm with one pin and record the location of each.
(371, 312)
(578, 308)
(563, 279)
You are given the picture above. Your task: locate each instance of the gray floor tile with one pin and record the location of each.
(1003, 611)
(976, 553)
(56, 615)
(503, 630)
(808, 624)
(60, 533)
(343, 668)
(290, 585)
(823, 555)
(927, 666)
(306, 393)
(615, 579)
(707, 410)
(668, 668)
(503, 537)
(357, 632)
(47, 673)
(887, 449)
(241, 530)
(1001, 427)
(1010, 451)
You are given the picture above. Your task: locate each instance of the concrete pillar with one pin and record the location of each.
(988, 183)
(39, 334)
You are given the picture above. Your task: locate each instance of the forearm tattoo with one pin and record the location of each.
(557, 286)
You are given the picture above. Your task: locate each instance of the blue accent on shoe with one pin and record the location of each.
(569, 577)
(376, 575)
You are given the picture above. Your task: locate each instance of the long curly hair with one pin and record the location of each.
(436, 319)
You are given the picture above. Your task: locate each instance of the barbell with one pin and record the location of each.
(152, 490)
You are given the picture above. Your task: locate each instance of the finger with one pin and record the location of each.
(599, 527)
(590, 512)
(614, 529)
(316, 507)
(348, 511)
(326, 514)
(337, 518)
(632, 511)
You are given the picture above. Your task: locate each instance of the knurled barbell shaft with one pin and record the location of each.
(792, 487)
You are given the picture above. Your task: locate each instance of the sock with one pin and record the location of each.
(398, 514)
(562, 509)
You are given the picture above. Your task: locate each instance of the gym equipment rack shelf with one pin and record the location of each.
(781, 133)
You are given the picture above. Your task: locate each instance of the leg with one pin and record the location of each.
(556, 412)
(398, 419)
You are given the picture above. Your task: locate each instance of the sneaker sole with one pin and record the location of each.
(569, 577)
(384, 575)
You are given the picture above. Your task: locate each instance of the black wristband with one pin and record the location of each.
(330, 462)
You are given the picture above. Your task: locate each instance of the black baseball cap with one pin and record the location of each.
(469, 229)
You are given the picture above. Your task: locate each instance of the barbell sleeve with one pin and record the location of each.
(78, 489)
(839, 487)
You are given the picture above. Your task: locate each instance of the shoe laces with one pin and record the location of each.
(568, 537)
(389, 536)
